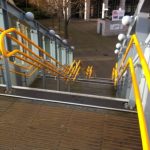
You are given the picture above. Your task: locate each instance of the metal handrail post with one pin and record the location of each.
(7, 76)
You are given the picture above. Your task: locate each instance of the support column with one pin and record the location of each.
(87, 10)
(104, 8)
(69, 10)
(122, 4)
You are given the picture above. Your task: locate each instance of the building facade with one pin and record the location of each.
(99, 8)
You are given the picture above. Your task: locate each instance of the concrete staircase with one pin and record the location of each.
(33, 118)
(27, 123)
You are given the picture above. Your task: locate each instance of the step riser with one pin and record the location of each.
(72, 98)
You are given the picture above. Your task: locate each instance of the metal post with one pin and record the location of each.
(44, 79)
(56, 57)
(2, 75)
(25, 79)
(7, 76)
(6, 23)
(69, 87)
(58, 83)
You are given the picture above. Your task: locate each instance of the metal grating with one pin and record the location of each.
(38, 126)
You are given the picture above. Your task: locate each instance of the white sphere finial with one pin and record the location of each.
(116, 51)
(72, 47)
(126, 20)
(58, 36)
(64, 41)
(29, 16)
(118, 45)
(121, 37)
(52, 32)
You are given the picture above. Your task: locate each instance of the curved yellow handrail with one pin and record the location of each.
(5, 32)
(144, 64)
(69, 73)
(138, 100)
(8, 54)
(117, 76)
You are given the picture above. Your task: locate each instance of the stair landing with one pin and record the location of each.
(28, 125)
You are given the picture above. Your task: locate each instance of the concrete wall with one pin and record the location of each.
(109, 28)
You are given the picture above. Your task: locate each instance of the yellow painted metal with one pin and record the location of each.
(115, 74)
(70, 68)
(31, 42)
(144, 64)
(146, 69)
(76, 68)
(89, 72)
(14, 52)
(116, 77)
(35, 61)
(138, 100)
(20, 73)
(77, 73)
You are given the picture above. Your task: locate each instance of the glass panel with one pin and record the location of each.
(52, 49)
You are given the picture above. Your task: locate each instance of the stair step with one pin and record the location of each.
(62, 127)
(70, 98)
(80, 86)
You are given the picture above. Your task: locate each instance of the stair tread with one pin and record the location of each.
(28, 124)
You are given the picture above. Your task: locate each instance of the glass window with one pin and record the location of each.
(113, 5)
(130, 7)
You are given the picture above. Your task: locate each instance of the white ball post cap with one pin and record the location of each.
(72, 47)
(126, 20)
(118, 45)
(116, 51)
(65, 41)
(29, 16)
(58, 36)
(121, 37)
(52, 32)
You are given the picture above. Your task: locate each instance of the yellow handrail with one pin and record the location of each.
(144, 64)
(6, 54)
(138, 100)
(5, 32)
(26, 48)
(89, 72)
(21, 73)
(29, 57)
(116, 77)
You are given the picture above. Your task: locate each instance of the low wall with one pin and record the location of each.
(110, 28)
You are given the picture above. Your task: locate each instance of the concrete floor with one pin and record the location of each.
(26, 125)
(90, 48)
(77, 87)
